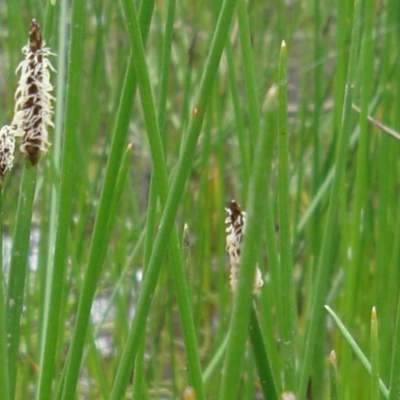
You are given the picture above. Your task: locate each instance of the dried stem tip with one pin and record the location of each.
(33, 107)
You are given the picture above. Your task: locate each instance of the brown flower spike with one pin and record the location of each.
(236, 224)
(33, 107)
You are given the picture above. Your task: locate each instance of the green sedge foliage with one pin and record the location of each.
(114, 254)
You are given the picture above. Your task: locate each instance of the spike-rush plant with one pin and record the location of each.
(32, 115)
(163, 114)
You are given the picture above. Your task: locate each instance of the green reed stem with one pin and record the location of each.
(375, 394)
(333, 376)
(153, 196)
(18, 268)
(261, 358)
(161, 177)
(66, 185)
(4, 370)
(96, 255)
(245, 145)
(324, 265)
(240, 317)
(287, 289)
(249, 73)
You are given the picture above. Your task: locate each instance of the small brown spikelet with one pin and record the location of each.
(236, 224)
(33, 107)
(234, 231)
(7, 143)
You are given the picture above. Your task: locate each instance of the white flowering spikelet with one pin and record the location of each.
(236, 223)
(7, 145)
(33, 107)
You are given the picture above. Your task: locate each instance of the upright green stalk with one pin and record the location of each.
(324, 265)
(386, 273)
(360, 189)
(96, 253)
(375, 394)
(166, 56)
(333, 375)
(249, 73)
(18, 268)
(178, 184)
(261, 358)
(315, 231)
(67, 177)
(355, 267)
(318, 98)
(153, 195)
(288, 291)
(245, 145)
(240, 318)
(161, 176)
(52, 201)
(4, 374)
(269, 129)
